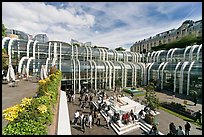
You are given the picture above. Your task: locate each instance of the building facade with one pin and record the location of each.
(187, 27)
(175, 70)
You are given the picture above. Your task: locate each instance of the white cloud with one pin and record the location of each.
(66, 23)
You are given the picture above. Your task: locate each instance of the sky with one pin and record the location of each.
(107, 24)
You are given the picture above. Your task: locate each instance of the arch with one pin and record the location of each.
(49, 49)
(90, 61)
(21, 63)
(90, 53)
(198, 51)
(76, 52)
(186, 49)
(177, 65)
(106, 54)
(95, 74)
(148, 75)
(116, 55)
(4, 40)
(167, 56)
(154, 56)
(160, 65)
(110, 73)
(9, 49)
(27, 66)
(162, 75)
(188, 80)
(86, 52)
(99, 53)
(79, 74)
(181, 77)
(55, 54)
(173, 53)
(191, 52)
(74, 78)
(106, 69)
(28, 44)
(113, 73)
(103, 57)
(46, 65)
(159, 54)
(122, 68)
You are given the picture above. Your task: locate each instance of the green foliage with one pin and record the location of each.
(4, 59)
(118, 83)
(32, 120)
(3, 30)
(120, 49)
(150, 97)
(181, 43)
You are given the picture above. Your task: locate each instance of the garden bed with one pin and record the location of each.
(179, 108)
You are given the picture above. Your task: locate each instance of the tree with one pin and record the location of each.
(4, 59)
(118, 82)
(150, 97)
(3, 30)
(120, 49)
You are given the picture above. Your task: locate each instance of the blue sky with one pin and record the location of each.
(109, 24)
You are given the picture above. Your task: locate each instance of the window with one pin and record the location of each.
(177, 32)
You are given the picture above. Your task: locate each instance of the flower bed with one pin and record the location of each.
(179, 108)
(34, 115)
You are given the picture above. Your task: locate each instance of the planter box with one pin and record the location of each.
(188, 113)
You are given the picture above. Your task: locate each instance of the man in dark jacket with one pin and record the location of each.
(187, 128)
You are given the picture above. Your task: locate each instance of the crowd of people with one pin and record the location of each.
(179, 130)
(93, 117)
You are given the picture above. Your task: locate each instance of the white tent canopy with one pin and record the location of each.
(10, 74)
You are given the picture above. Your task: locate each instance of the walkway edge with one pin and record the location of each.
(63, 118)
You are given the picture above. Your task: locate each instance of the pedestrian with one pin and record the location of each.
(132, 116)
(81, 119)
(90, 120)
(154, 130)
(172, 129)
(98, 119)
(80, 100)
(76, 116)
(195, 101)
(180, 131)
(187, 128)
(93, 118)
(86, 98)
(198, 116)
(84, 124)
(108, 121)
(173, 95)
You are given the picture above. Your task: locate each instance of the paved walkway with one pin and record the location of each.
(14, 95)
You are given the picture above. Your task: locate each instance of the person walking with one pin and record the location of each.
(195, 100)
(180, 131)
(187, 128)
(83, 125)
(98, 119)
(172, 129)
(90, 120)
(81, 119)
(198, 116)
(76, 116)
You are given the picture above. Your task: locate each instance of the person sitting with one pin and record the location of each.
(141, 114)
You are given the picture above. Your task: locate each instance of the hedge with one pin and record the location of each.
(34, 115)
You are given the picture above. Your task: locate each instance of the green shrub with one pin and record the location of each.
(36, 116)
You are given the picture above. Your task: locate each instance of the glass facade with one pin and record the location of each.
(175, 70)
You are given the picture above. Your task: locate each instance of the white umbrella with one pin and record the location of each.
(24, 70)
(42, 72)
(10, 73)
